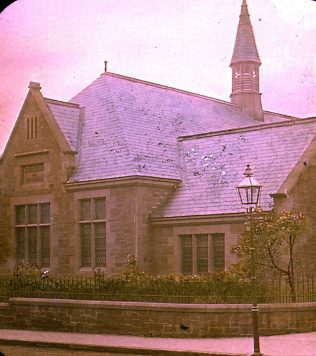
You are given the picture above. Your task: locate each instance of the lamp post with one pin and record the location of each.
(249, 192)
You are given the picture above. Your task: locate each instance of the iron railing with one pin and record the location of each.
(162, 291)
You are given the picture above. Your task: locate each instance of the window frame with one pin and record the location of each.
(211, 251)
(27, 226)
(93, 220)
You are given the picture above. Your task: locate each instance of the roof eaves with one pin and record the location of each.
(122, 180)
(159, 220)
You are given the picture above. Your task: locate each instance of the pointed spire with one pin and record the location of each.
(245, 49)
(245, 65)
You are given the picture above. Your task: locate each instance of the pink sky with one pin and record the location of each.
(181, 43)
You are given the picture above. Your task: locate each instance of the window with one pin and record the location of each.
(31, 127)
(32, 232)
(187, 255)
(218, 252)
(32, 173)
(202, 253)
(92, 229)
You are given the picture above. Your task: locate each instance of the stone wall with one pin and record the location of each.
(129, 202)
(166, 241)
(155, 319)
(128, 230)
(302, 198)
(21, 152)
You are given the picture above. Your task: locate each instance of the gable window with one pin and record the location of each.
(202, 253)
(92, 230)
(32, 233)
(31, 127)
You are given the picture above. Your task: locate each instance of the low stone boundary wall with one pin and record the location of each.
(155, 319)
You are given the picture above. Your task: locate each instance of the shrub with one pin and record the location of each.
(134, 285)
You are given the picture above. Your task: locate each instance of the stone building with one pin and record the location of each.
(132, 167)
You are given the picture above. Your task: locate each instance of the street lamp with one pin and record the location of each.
(249, 192)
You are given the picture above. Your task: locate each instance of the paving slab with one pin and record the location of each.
(280, 345)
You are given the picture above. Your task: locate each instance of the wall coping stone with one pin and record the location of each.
(200, 308)
(288, 306)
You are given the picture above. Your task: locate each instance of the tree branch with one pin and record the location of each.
(274, 263)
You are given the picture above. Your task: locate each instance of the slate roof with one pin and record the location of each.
(245, 45)
(213, 166)
(67, 116)
(130, 127)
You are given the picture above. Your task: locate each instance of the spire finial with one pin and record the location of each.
(35, 85)
(244, 9)
(248, 171)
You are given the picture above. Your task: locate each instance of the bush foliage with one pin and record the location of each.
(134, 285)
(276, 236)
(232, 286)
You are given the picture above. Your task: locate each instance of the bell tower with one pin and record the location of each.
(245, 65)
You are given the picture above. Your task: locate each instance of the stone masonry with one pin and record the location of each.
(154, 319)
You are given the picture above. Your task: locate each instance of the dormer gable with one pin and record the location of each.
(40, 154)
(35, 123)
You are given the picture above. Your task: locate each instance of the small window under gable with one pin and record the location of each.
(32, 173)
(31, 127)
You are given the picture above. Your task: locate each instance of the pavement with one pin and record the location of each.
(280, 345)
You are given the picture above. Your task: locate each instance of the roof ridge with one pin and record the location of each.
(79, 132)
(62, 103)
(279, 114)
(122, 127)
(247, 129)
(162, 86)
(115, 114)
